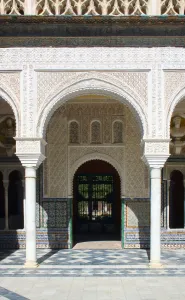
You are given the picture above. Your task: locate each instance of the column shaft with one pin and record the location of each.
(6, 205)
(155, 217)
(30, 192)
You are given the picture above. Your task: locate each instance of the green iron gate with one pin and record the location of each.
(95, 199)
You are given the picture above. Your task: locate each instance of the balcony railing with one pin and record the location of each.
(92, 7)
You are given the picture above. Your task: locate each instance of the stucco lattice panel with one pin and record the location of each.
(174, 82)
(107, 128)
(57, 156)
(137, 214)
(134, 167)
(52, 80)
(85, 113)
(85, 129)
(60, 165)
(76, 153)
(11, 80)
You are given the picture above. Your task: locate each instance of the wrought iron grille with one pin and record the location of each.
(95, 201)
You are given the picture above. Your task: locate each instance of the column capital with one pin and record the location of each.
(31, 151)
(156, 152)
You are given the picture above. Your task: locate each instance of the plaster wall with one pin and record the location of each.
(62, 156)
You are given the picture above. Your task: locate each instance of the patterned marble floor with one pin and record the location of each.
(103, 263)
(131, 257)
(87, 272)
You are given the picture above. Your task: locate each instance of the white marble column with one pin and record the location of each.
(6, 183)
(155, 217)
(30, 193)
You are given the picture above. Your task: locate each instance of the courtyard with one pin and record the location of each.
(92, 274)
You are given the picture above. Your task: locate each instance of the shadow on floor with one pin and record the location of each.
(47, 255)
(4, 253)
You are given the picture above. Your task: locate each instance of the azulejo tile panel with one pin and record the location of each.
(54, 219)
(55, 213)
(136, 223)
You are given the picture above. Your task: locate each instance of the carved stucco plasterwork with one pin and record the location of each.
(127, 58)
(11, 80)
(174, 82)
(84, 154)
(135, 168)
(10, 92)
(137, 214)
(28, 146)
(111, 59)
(28, 101)
(96, 87)
(49, 83)
(156, 152)
(79, 58)
(56, 157)
(91, 58)
(156, 147)
(61, 163)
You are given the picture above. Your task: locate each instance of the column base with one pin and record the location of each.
(31, 264)
(155, 265)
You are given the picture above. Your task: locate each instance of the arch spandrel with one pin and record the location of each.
(12, 102)
(117, 91)
(174, 101)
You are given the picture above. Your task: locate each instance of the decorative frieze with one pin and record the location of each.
(92, 7)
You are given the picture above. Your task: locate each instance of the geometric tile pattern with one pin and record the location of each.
(54, 214)
(103, 272)
(102, 263)
(68, 257)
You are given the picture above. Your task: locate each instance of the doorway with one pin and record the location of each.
(97, 203)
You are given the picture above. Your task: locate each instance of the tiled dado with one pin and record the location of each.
(172, 239)
(46, 238)
(136, 229)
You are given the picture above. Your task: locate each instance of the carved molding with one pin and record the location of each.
(174, 82)
(8, 95)
(60, 165)
(86, 58)
(34, 61)
(94, 155)
(132, 82)
(92, 7)
(156, 152)
(31, 152)
(92, 86)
